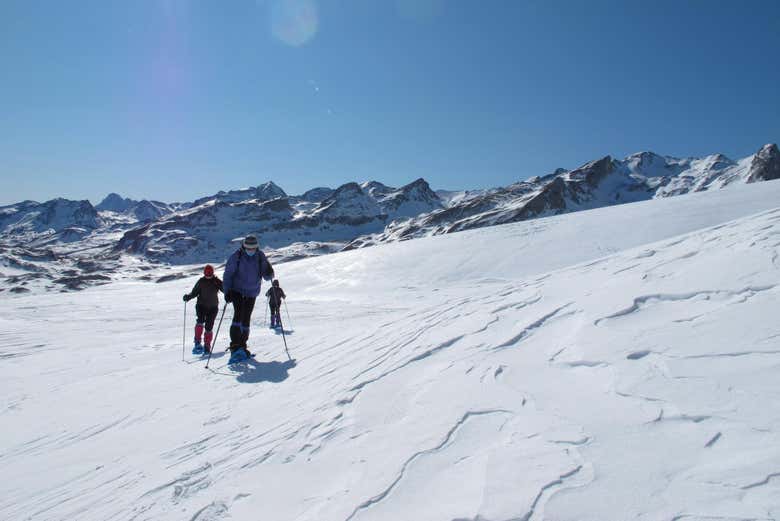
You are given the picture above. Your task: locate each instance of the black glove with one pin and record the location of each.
(229, 296)
(186, 297)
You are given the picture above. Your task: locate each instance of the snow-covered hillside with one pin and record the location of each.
(613, 364)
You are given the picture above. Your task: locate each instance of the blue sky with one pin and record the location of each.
(174, 99)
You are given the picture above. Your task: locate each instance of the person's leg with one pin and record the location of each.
(211, 315)
(236, 335)
(246, 318)
(201, 318)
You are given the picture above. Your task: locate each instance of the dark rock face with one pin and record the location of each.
(78, 282)
(596, 171)
(550, 195)
(410, 200)
(115, 203)
(263, 192)
(149, 210)
(281, 205)
(317, 195)
(765, 165)
(349, 205)
(172, 276)
(143, 211)
(550, 198)
(63, 213)
(376, 189)
(55, 215)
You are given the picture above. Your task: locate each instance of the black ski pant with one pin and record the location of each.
(206, 316)
(275, 316)
(242, 316)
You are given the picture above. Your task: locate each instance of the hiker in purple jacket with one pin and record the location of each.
(241, 284)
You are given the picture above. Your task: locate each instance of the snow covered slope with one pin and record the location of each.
(614, 364)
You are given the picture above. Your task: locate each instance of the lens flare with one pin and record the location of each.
(294, 22)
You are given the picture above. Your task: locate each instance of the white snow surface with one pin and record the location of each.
(612, 364)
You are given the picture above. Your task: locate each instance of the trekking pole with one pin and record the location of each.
(289, 320)
(281, 326)
(214, 342)
(184, 331)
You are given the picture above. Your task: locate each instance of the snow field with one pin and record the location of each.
(606, 365)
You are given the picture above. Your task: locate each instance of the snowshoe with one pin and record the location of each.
(197, 349)
(240, 354)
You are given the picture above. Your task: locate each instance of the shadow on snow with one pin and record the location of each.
(199, 359)
(251, 371)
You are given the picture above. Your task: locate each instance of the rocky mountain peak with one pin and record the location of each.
(376, 189)
(59, 214)
(114, 202)
(420, 187)
(765, 165)
(645, 160)
(420, 190)
(716, 161)
(317, 195)
(269, 190)
(411, 200)
(593, 172)
(349, 204)
(347, 190)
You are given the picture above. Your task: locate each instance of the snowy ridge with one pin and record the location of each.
(582, 366)
(263, 192)
(297, 225)
(114, 207)
(599, 183)
(58, 215)
(114, 202)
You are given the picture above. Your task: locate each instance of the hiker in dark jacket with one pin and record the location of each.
(275, 294)
(244, 272)
(207, 291)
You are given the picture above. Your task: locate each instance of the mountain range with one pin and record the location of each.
(71, 244)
